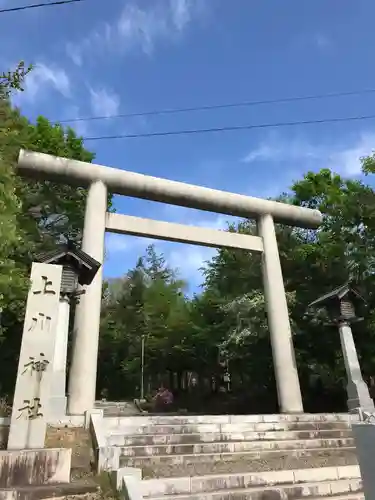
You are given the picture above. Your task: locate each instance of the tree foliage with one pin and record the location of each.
(34, 216)
(13, 80)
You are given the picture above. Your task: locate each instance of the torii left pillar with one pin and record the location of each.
(83, 370)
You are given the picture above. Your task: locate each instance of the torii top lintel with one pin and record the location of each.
(42, 166)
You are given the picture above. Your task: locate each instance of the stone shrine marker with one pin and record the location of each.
(32, 392)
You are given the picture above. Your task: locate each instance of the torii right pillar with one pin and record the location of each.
(284, 362)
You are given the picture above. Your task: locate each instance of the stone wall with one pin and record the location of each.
(34, 467)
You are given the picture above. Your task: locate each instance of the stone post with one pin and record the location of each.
(33, 385)
(58, 399)
(288, 388)
(82, 377)
(357, 390)
(364, 439)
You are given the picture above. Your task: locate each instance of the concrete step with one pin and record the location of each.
(317, 489)
(233, 447)
(141, 421)
(116, 410)
(74, 490)
(151, 488)
(112, 427)
(226, 463)
(347, 496)
(119, 439)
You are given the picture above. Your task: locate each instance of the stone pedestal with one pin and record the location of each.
(357, 390)
(364, 438)
(58, 398)
(31, 397)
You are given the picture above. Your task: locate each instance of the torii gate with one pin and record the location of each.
(99, 179)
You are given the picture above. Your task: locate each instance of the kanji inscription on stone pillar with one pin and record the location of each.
(32, 392)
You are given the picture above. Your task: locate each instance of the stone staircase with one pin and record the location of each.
(240, 457)
(117, 408)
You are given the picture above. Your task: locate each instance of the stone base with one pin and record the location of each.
(359, 396)
(364, 435)
(34, 467)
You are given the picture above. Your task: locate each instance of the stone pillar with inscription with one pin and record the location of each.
(33, 384)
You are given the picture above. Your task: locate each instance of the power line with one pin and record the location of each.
(37, 5)
(229, 129)
(222, 106)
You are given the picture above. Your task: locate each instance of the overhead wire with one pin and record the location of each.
(38, 5)
(220, 106)
(229, 128)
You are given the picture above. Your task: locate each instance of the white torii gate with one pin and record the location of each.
(101, 179)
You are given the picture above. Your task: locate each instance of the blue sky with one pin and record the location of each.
(124, 56)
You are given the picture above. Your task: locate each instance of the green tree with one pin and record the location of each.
(13, 80)
(150, 304)
(35, 216)
(313, 263)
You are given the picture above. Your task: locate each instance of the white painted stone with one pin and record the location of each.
(33, 385)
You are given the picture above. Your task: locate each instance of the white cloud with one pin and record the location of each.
(348, 159)
(104, 102)
(341, 157)
(74, 53)
(181, 12)
(44, 77)
(276, 149)
(137, 27)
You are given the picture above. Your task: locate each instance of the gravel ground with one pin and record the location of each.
(245, 463)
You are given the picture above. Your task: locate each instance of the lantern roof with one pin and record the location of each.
(68, 254)
(339, 293)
